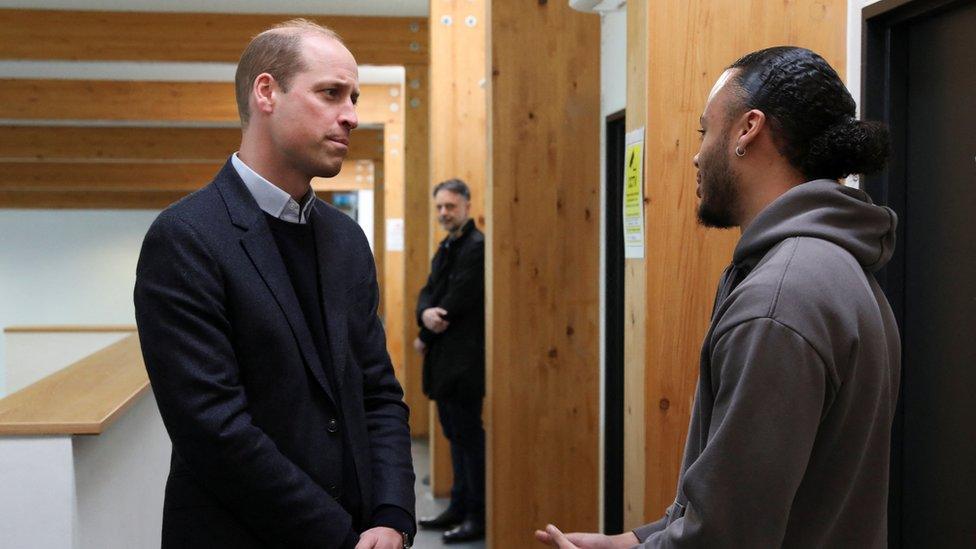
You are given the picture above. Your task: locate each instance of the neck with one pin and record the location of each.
(460, 229)
(286, 178)
(767, 182)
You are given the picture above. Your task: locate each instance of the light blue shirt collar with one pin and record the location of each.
(271, 199)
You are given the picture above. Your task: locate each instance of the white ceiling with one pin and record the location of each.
(416, 8)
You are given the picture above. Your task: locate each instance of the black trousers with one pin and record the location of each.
(461, 420)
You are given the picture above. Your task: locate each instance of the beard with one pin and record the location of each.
(719, 201)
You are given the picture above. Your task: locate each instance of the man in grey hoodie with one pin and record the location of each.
(790, 433)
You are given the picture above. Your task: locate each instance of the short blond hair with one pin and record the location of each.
(278, 52)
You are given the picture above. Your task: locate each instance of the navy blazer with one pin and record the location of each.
(257, 429)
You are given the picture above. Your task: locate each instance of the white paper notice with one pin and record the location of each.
(394, 235)
(634, 194)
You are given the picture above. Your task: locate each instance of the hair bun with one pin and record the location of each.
(850, 146)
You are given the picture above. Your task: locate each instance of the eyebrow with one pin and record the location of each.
(701, 120)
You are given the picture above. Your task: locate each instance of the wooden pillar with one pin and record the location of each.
(379, 233)
(416, 235)
(543, 271)
(634, 285)
(689, 44)
(392, 284)
(458, 136)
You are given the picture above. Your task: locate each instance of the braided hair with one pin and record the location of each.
(811, 112)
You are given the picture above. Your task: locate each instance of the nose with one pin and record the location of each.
(694, 160)
(348, 117)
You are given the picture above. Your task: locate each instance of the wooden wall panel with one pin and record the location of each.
(215, 37)
(689, 44)
(544, 207)
(458, 135)
(635, 298)
(416, 235)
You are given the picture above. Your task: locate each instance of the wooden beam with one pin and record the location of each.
(690, 42)
(635, 301)
(392, 222)
(111, 184)
(147, 143)
(119, 143)
(121, 176)
(126, 100)
(458, 138)
(207, 102)
(544, 235)
(143, 143)
(416, 235)
(204, 37)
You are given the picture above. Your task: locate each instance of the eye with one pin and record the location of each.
(701, 132)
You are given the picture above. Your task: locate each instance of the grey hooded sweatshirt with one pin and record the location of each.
(790, 432)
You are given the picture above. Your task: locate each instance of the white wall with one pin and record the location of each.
(31, 356)
(68, 267)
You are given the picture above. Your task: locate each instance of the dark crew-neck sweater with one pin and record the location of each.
(296, 244)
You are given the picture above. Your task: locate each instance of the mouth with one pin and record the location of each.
(344, 141)
(698, 188)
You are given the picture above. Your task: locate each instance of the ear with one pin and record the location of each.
(263, 92)
(750, 125)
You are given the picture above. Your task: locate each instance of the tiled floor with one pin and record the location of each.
(428, 505)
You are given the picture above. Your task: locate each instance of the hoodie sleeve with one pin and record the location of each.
(768, 386)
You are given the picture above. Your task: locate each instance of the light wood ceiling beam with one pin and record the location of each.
(47, 143)
(177, 102)
(200, 37)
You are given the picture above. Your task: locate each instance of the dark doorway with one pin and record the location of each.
(920, 78)
(613, 442)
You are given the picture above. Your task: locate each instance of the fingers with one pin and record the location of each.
(440, 311)
(366, 542)
(544, 537)
(440, 326)
(558, 538)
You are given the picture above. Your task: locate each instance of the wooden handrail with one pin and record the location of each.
(82, 399)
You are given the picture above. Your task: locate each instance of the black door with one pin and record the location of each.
(613, 442)
(930, 103)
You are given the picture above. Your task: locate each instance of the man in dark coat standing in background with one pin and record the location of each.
(451, 317)
(256, 305)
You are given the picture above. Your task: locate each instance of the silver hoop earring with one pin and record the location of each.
(740, 152)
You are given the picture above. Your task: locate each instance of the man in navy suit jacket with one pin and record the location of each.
(256, 306)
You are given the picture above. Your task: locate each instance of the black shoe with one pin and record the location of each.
(447, 519)
(469, 530)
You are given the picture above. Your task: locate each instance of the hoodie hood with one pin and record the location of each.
(826, 210)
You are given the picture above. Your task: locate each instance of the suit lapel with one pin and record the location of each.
(332, 283)
(259, 244)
